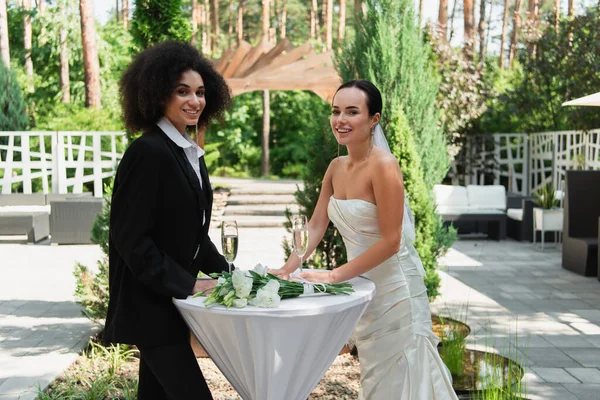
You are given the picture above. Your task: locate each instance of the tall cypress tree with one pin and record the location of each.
(155, 21)
(389, 52)
(13, 116)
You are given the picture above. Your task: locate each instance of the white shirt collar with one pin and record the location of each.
(183, 141)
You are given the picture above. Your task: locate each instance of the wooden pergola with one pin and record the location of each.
(279, 67)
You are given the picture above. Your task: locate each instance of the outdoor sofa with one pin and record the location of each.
(473, 203)
(580, 226)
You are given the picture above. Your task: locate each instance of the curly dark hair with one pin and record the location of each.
(153, 75)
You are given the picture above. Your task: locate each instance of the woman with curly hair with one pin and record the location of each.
(160, 215)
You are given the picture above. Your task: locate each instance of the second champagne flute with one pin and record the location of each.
(300, 239)
(229, 241)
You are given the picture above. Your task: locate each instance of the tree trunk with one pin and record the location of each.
(342, 24)
(214, 13)
(264, 160)
(314, 22)
(504, 28)
(515, 34)
(4, 46)
(27, 45)
(329, 31)
(240, 22)
(357, 7)
(283, 31)
(230, 24)
(532, 17)
(205, 18)
(65, 86)
(117, 13)
(468, 23)
(452, 20)
(41, 5)
(571, 9)
(194, 22)
(443, 19)
(481, 31)
(91, 65)
(420, 16)
(125, 9)
(488, 27)
(557, 19)
(266, 12)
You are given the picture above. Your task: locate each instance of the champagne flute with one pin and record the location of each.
(229, 241)
(300, 238)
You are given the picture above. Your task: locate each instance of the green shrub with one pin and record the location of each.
(13, 116)
(92, 289)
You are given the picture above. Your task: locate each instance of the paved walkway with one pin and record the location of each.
(509, 288)
(523, 304)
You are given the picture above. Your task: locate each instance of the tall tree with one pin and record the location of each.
(504, 29)
(239, 27)
(4, 47)
(214, 13)
(125, 10)
(27, 44)
(571, 8)
(65, 85)
(91, 65)
(514, 41)
(389, 52)
(283, 29)
(156, 21)
(533, 9)
(315, 30)
(266, 117)
(557, 18)
(329, 25)
(117, 12)
(469, 25)
(342, 24)
(452, 20)
(41, 5)
(194, 22)
(481, 31)
(443, 19)
(420, 16)
(205, 18)
(230, 24)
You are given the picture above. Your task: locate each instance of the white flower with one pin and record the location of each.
(266, 299)
(221, 280)
(271, 286)
(260, 269)
(240, 303)
(241, 283)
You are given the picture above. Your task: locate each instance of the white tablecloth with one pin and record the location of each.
(280, 353)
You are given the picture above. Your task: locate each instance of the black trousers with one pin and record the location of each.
(171, 372)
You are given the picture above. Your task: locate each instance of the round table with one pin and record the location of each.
(277, 353)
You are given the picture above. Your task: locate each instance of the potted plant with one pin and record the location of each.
(547, 217)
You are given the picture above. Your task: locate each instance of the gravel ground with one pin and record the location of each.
(341, 382)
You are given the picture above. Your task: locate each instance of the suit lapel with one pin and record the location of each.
(188, 171)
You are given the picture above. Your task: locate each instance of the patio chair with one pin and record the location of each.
(71, 220)
(580, 227)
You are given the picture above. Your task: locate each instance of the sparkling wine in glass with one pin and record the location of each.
(300, 238)
(229, 241)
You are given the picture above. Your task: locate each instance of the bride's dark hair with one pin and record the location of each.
(374, 101)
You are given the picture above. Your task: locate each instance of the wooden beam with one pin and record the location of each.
(236, 59)
(263, 47)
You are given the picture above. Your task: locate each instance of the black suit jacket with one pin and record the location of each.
(155, 230)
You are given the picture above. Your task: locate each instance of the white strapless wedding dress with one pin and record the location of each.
(396, 345)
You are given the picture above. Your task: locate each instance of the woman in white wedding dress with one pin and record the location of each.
(363, 195)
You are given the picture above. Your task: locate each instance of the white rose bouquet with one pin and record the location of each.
(260, 289)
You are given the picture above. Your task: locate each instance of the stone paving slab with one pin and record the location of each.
(550, 315)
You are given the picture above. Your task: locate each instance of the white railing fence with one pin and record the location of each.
(58, 162)
(525, 162)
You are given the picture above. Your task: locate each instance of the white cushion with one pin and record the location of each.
(488, 196)
(515, 213)
(446, 210)
(450, 196)
(20, 209)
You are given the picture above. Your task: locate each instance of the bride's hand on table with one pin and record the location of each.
(317, 276)
(280, 273)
